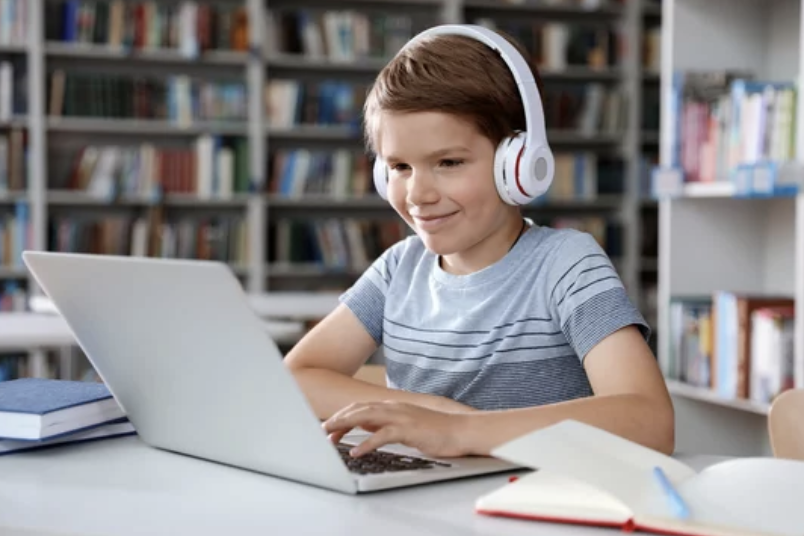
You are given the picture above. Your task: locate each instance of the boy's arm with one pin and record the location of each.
(325, 360)
(634, 405)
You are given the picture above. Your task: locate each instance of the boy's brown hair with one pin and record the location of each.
(451, 74)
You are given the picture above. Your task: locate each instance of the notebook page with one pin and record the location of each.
(599, 458)
(548, 495)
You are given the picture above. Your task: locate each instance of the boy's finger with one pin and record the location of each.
(386, 435)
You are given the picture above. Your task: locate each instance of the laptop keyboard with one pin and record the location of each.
(383, 462)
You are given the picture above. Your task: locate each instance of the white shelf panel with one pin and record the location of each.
(13, 49)
(311, 270)
(9, 198)
(13, 272)
(153, 127)
(741, 245)
(299, 62)
(707, 395)
(311, 202)
(709, 189)
(107, 53)
(542, 10)
(755, 35)
(82, 199)
(15, 122)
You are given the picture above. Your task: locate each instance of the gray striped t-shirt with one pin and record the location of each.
(511, 335)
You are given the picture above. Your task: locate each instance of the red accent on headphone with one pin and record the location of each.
(516, 172)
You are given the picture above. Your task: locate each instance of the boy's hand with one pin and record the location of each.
(434, 433)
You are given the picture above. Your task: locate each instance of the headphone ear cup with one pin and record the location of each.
(505, 170)
(536, 170)
(500, 178)
(381, 177)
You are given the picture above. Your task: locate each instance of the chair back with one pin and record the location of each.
(786, 425)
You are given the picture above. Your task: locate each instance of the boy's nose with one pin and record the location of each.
(421, 189)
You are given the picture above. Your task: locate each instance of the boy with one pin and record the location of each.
(491, 326)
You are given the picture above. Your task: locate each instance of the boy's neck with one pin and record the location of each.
(487, 252)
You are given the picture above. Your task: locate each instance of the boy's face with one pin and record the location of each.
(441, 173)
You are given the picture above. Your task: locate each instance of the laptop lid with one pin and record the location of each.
(189, 361)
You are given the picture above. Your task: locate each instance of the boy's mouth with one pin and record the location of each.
(429, 222)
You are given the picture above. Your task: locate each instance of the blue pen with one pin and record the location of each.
(676, 502)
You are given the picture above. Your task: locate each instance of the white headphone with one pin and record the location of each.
(523, 163)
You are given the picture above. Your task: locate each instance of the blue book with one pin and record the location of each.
(36, 409)
(110, 430)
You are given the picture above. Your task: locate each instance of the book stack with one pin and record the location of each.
(38, 413)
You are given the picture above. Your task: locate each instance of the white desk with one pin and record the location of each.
(121, 487)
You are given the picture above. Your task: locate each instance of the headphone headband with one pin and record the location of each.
(523, 162)
(536, 134)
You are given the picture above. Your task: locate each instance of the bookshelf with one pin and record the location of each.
(83, 102)
(731, 217)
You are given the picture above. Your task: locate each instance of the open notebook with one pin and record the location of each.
(589, 476)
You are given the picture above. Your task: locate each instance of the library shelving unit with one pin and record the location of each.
(731, 216)
(167, 128)
(616, 136)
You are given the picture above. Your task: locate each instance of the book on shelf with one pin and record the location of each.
(208, 237)
(336, 173)
(15, 233)
(14, 22)
(738, 345)
(555, 45)
(729, 123)
(13, 160)
(334, 244)
(40, 409)
(336, 34)
(188, 27)
(209, 167)
(179, 99)
(586, 475)
(13, 298)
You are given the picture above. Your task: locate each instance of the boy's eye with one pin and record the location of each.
(450, 162)
(399, 167)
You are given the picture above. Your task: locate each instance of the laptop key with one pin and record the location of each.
(382, 462)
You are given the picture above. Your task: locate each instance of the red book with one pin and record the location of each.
(588, 476)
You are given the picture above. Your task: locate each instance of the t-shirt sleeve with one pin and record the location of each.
(366, 297)
(587, 295)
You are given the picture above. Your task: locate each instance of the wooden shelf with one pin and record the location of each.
(702, 394)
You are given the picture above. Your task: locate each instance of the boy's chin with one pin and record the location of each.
(438, 245)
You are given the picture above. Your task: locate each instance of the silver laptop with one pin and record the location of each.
(196, 372)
